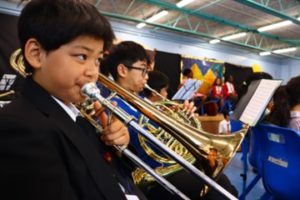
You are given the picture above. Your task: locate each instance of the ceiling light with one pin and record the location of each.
(215, 41)
(286, 50)
(275, 26)
(141, 25)
(183, 3)
(265, 53)
(153, 18)
(234, 36)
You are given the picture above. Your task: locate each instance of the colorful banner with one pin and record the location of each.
(204, 70)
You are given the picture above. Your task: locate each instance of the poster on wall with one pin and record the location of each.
(205, 70)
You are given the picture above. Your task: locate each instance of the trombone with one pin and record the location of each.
(165, 102)
(90, 90)
(196, 141)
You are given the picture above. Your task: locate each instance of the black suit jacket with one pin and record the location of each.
(45, 155)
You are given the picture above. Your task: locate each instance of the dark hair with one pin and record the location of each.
(225, 113)
(255, 76)
(285, 98)
(54, 23)
(187, 72)
(157, 80)
(218, 78)
(126, 52)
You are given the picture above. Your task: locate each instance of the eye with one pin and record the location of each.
(81, 57)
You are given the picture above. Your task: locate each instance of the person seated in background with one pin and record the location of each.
(48, 150)
(159, 82)
(285, 111)
(217, 92)
(186, 74)
(229, 91)
(224, 125)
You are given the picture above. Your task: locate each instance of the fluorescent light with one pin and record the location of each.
(153, 18)
(286, 50)
(265, 53)
(157, 16)
(215, 41)
(141, 25)
(183, 3)
(234, 36)
(274, 26)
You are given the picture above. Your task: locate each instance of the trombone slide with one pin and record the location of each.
(93, 92)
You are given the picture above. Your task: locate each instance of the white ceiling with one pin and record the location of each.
(212, 19)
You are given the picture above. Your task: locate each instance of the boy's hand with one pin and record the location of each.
(114, 131)
(189, 107)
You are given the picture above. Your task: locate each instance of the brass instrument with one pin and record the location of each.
(198, 142)
(168, 106)
(17, 62)
(7, 93)
(168, 166)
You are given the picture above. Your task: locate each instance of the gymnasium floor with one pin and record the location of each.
(235, 169)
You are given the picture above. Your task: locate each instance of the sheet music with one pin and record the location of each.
(188, 89)
(259, 101)
(6, 81)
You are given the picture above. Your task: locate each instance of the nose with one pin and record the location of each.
(92, 71)
(146, 77)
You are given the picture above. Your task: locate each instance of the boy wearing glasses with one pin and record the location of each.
(127, 62)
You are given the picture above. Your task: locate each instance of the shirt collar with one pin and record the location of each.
(70, 109)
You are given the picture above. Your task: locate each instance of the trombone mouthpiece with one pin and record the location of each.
(90, 90)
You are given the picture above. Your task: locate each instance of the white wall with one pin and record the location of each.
(184, 45)
(290, 68)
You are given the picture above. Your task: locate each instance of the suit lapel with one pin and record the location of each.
(100, 171)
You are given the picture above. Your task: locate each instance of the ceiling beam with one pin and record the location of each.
(219, 20)
(203, 35)
(266, 9)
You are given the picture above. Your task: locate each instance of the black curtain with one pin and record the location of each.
(239, 73)
(169, 64)
(9, 42)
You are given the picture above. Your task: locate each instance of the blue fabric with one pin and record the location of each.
(134, 139)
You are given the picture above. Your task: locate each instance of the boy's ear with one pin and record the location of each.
(122, 70)
(33, 52)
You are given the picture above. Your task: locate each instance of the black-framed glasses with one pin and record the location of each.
(145, 71)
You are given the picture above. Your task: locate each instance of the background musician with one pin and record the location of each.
(285, 111)
(127, 63)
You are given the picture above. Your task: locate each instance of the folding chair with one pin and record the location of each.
(281, 162)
